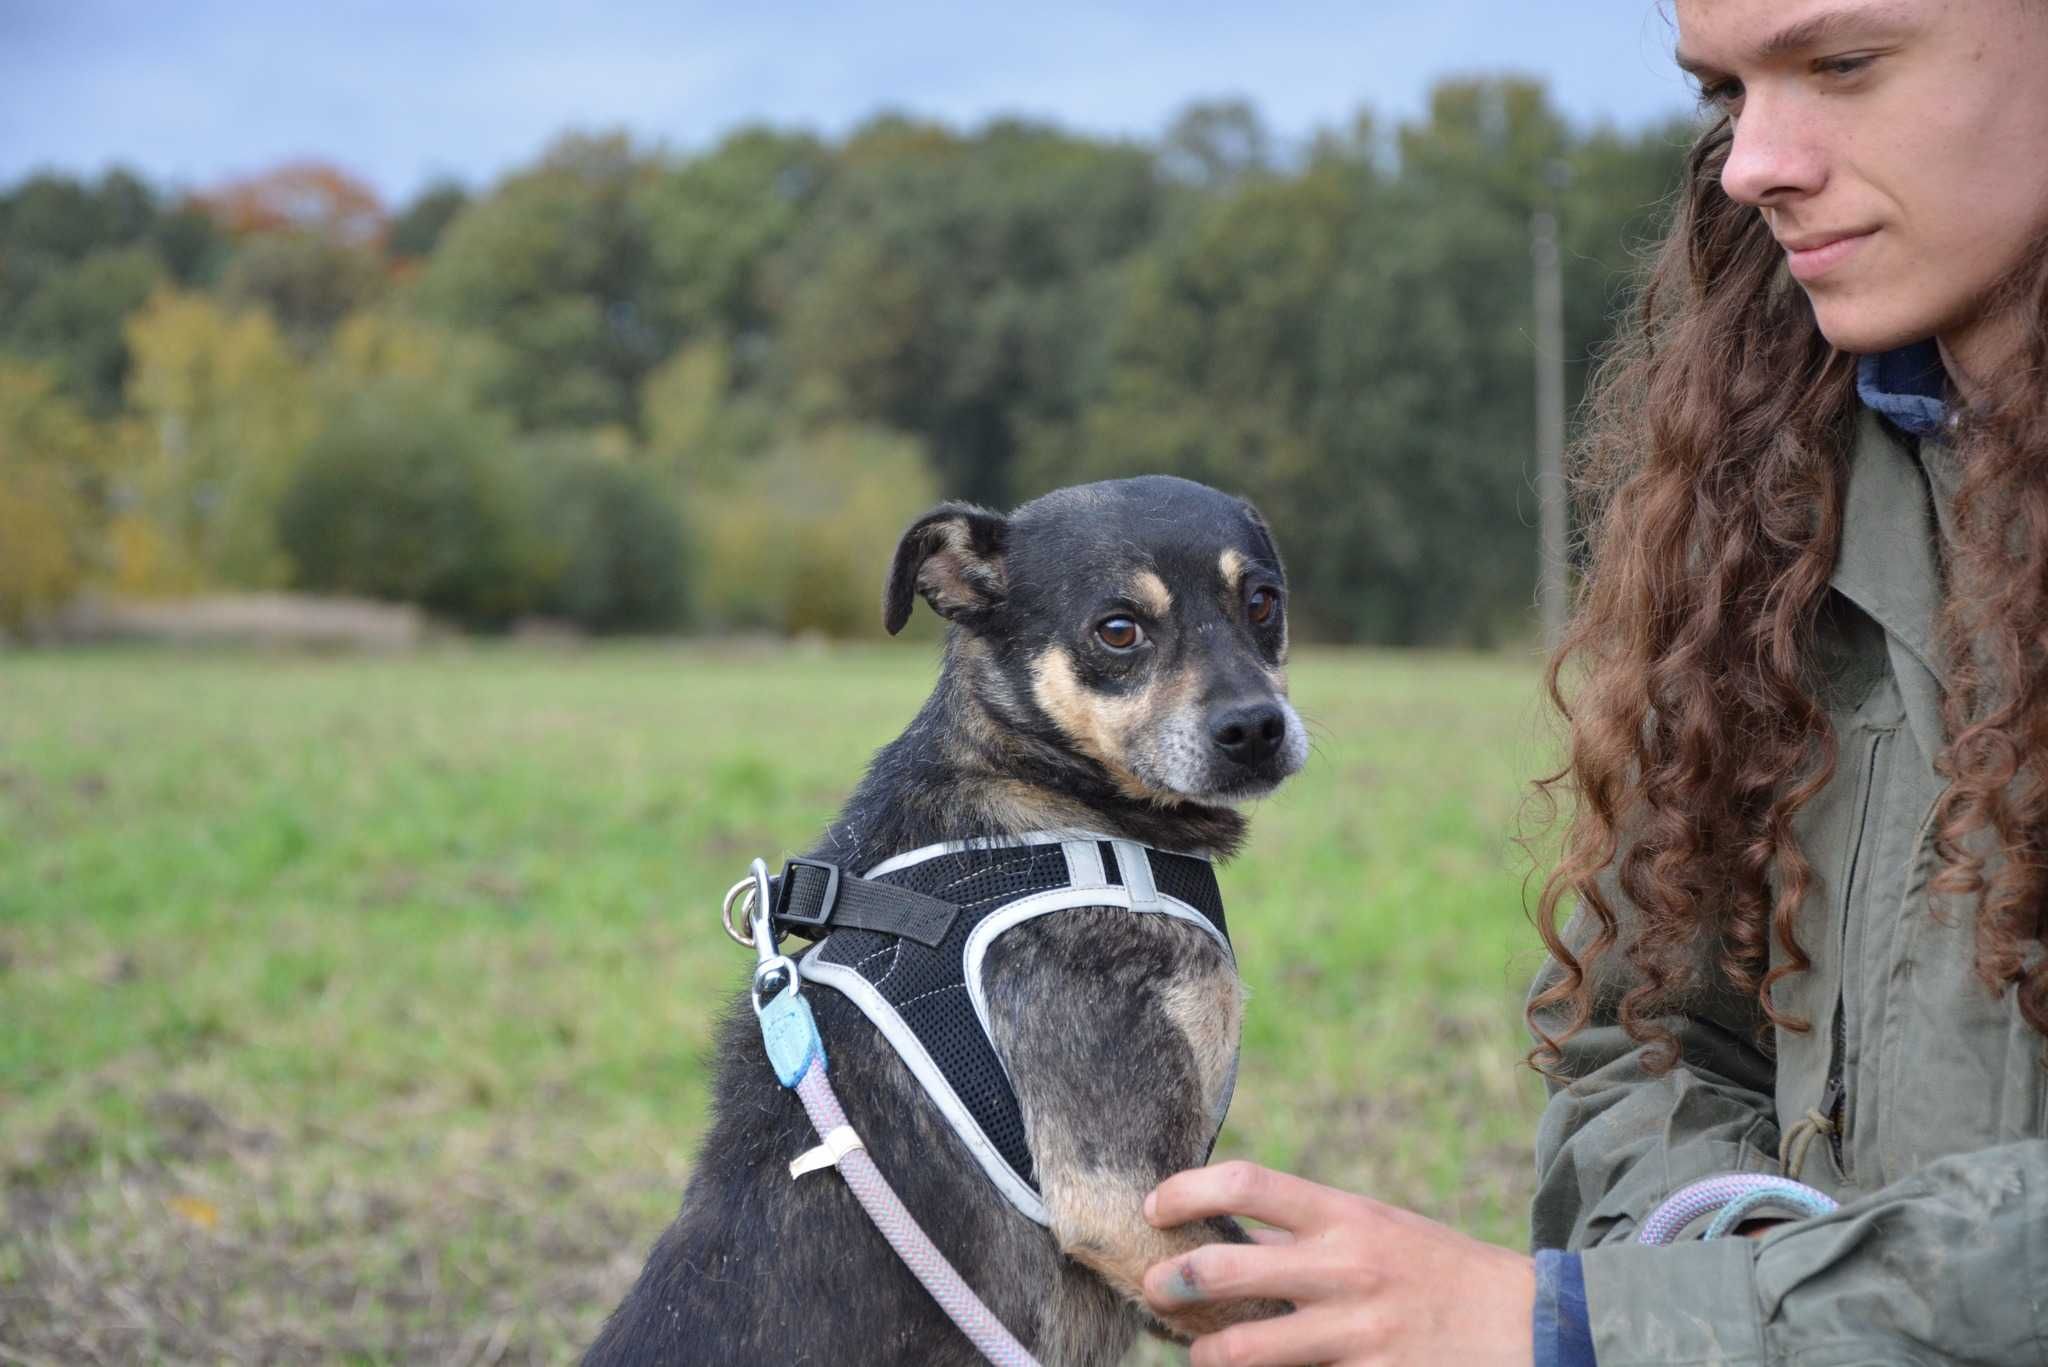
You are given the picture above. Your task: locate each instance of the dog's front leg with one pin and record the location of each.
(1120, 1034)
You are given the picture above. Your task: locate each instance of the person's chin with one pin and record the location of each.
(1853, 326)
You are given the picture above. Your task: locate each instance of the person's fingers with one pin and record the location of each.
(1305, 1337)
(1245, 1189)
(1263, 1235)
(1227, 1272)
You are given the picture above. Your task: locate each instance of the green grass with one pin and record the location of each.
(357, 1007)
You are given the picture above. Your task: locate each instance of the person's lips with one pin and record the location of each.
(1815, 254)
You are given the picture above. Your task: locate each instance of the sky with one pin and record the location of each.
(191, 92)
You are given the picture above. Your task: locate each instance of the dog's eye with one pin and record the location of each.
(1260, 606)
(1119, 633)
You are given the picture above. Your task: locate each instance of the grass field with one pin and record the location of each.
(356, 1008)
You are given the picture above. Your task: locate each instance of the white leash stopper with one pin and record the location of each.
(839, 1142)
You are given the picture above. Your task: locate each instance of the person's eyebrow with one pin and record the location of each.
(1811, 32)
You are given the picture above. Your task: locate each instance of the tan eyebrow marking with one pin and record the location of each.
(1808, 33)
(1231, 565)
(1149, 591)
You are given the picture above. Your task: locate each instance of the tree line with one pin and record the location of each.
(643, 389)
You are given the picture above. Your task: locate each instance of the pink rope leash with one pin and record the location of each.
(789, 1033)
(1734, 1195)
(912, 1245)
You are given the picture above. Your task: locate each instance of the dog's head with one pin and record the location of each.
(1139, 625)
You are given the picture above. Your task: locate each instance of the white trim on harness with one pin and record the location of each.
(927, 1072)
(1105, 894)
(1007, 842)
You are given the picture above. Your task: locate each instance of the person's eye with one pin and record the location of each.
(1261, 606)
(1845, 66)
(1724, 96)
(1119, 633)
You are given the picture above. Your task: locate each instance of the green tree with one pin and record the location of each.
(557, 264)
(230, 407)
(73, 322)
(76, 257)
(416, 229)
(387, 344)
(715, 223)
(957, 288)
(303, 281)
(1215, 144)
(1349, 345)
(62, 218)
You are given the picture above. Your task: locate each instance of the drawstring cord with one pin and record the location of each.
(1793, 1148)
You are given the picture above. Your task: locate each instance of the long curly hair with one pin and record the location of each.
(1711, 482)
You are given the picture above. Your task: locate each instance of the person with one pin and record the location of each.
(1808, 843)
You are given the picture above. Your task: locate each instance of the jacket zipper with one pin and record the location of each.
(1834, 1098)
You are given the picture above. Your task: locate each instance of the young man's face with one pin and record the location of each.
(1897, 148)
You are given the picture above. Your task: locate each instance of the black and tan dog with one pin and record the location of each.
(1115, 665)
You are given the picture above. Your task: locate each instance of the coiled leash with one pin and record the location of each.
(1736, 1196)
(790, 1033)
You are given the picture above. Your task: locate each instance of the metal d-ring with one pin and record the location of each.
(758, 936)
(733, 933)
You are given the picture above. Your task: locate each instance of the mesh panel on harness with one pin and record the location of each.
(924, 998)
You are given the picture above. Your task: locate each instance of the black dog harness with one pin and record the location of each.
(905, 941)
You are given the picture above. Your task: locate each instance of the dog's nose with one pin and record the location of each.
(1249, 733)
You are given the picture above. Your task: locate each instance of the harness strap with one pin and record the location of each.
(814, 898)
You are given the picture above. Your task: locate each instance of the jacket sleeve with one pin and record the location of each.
(1617, 1140)
(1948, 1265)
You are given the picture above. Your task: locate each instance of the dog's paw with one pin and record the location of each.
(1186, 1325)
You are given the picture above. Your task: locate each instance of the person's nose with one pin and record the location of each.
(1777, 154)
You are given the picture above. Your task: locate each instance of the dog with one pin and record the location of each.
(1114, 665)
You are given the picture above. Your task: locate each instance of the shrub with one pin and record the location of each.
(608, 547)
(800, 538)
(405, 497)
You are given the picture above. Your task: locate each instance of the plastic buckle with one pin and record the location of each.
(785, 886)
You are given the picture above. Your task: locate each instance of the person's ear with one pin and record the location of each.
(953, 555)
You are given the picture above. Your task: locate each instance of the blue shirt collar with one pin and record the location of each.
(1907, 386)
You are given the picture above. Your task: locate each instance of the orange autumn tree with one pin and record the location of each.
(312, 197)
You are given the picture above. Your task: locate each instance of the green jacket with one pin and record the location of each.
(1940, 1250)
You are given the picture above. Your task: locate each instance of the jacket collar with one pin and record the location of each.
(1889, 564)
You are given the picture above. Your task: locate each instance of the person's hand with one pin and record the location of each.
(1370, 1283)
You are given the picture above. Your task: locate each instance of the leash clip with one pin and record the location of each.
(789, 1031)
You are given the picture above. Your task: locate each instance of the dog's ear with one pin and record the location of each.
(953, 555)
